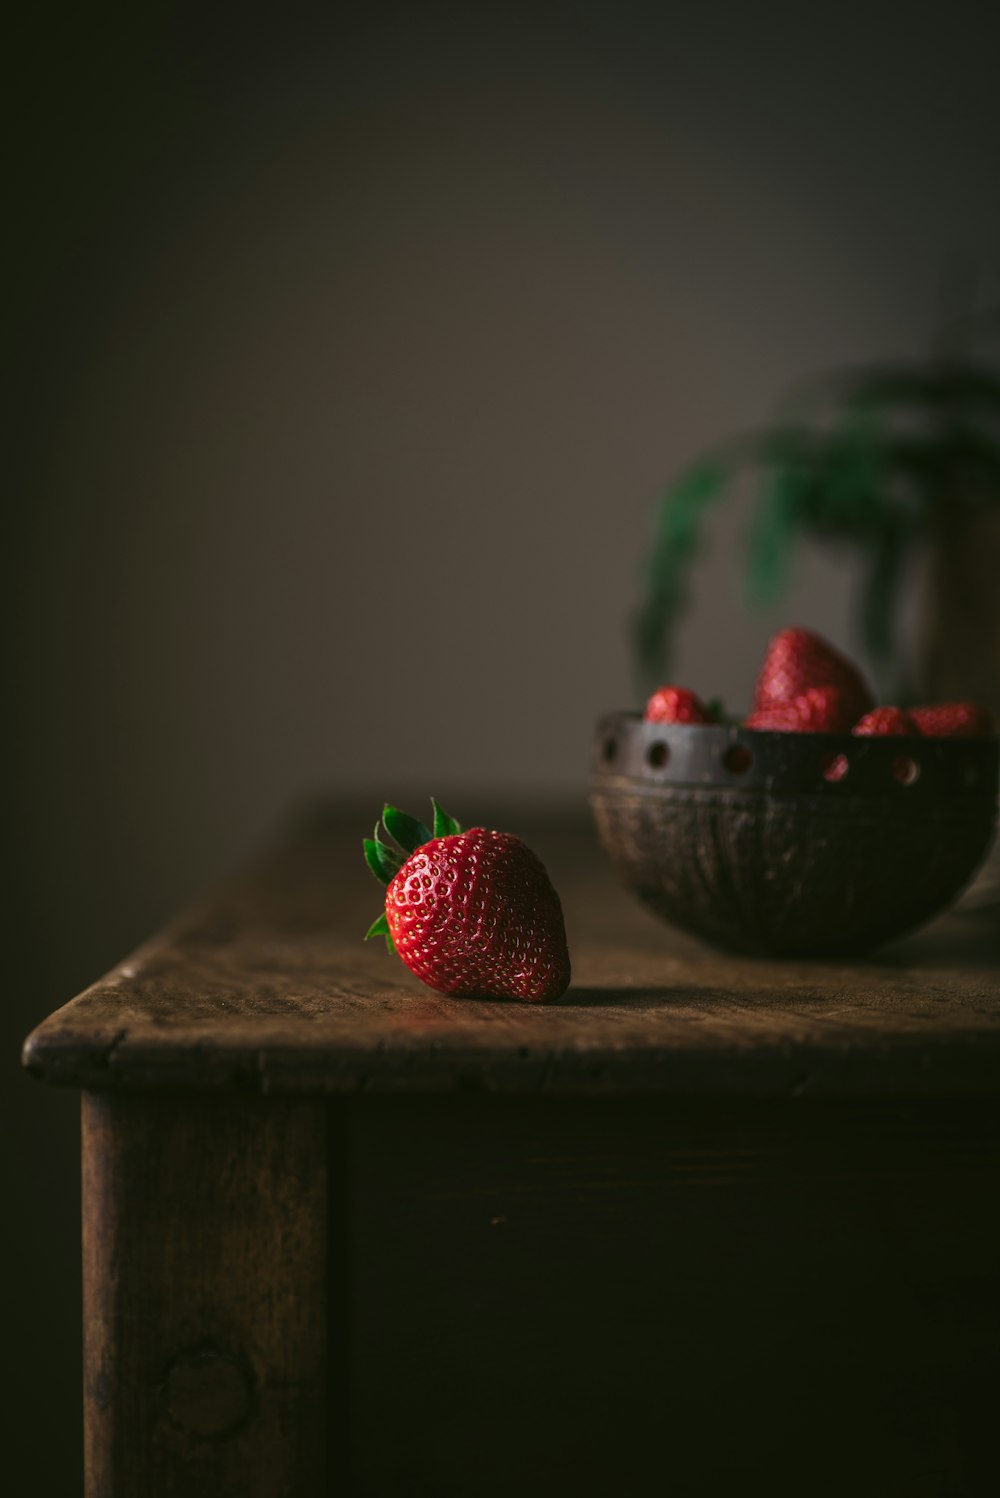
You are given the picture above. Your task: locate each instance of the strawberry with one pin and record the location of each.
(677, 705)
(469, 912)
(885, 721)
(953, 720)
(816, 710)
(798, 660)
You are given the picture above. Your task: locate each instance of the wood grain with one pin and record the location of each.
(267, 985)
(205, 1278)
(593, 1296)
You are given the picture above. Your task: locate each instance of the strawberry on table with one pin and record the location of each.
(797, 661)
(815, 710)
(953, 720)
(886, 721)
(670, 704)
(470, 913)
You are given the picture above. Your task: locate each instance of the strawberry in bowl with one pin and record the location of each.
(824, 824)
(671, 704)
(953, 720)
(799, 662)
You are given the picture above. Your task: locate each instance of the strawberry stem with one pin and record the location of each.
(444, 825)
(408, 832)
(380, 927)
(386, 860)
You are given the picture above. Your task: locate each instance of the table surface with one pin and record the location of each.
(268, 985)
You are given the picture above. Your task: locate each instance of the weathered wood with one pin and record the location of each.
(644, 1295)
(205, 1272)
(268, 986)
(759, 1248)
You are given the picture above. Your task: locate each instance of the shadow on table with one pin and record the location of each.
(964, 940)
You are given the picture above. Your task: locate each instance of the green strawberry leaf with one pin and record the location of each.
(383, 861)
(380, 927)
(408, 832)
(444, 825)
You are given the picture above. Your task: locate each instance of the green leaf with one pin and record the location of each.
(444, 825)
(773, 533)
(852, 475)
(380, 927)
(408, 832)
(880, 593)
(917, 388)
(677, 538)
(383, 861)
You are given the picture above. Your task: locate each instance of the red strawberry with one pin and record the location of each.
(783, 717)
(469, 913)
(676, 705)
(797, 660)
(884, 721)
(953, 720)
(816, 710)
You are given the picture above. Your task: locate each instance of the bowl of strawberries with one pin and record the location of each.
(822, 824)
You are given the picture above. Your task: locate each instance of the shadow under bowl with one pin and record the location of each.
(791, 844)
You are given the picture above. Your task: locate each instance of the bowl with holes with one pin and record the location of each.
(790, 844)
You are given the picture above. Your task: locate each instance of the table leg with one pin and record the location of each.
(205, 1273)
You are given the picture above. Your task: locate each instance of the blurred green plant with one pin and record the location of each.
(869, 459)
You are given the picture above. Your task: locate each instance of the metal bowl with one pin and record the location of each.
(791, 844)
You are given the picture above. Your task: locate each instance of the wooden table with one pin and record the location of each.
(705, 1226)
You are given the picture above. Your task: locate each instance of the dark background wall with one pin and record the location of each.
(347, 354)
